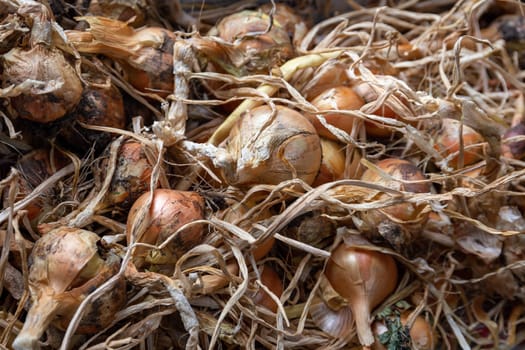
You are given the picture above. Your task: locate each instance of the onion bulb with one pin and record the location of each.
(399, 222)
(447, 143)
(47, 86)
(365, 278)
(132, 174)
(272, 281)
(371, 93)
(145, 54)
(332, 162)
(337, 98)
(251, 47)
(271, 146)
(99, 106)
(169, 211)
(66, 265)
(420, 333)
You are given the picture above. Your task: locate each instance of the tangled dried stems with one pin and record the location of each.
(463, 273)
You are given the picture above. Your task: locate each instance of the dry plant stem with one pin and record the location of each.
(173, 127)
(10, 232)
(44, 186)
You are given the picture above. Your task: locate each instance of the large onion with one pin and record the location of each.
(65, 266)
(271, 146)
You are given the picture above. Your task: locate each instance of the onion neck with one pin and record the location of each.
(40, 315)
(361, 312)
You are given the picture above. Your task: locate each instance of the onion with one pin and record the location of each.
(272, 281)
(169, 211)
(65, 266)
(365, 278)
(48, 85)
(447, 142)
(336, 98)
(100, 107)
(145, 54)
(421, 334)
(371, 93)
(132, 174)
(399, 222)
(273, 146)
(332, 162)
(252, 48)
(132, 12)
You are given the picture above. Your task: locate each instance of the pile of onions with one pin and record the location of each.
(156, 222)
(66, 265)
(270, 146)
(458, 143)
(145, 54)
(364, 278)
(397, 223)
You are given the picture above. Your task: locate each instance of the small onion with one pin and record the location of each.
(132, 174)
(56, 87)
(98, 106)
(370, 94)
(421, 333)
(65, 266)
(365, 278)
(253, 49)
(273, 282)
(273, 146)
(405, 216)
(336, 98)
(145, 54)
(447, 142)
(169, 211)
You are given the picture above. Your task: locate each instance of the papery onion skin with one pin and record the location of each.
(269, 149)
(64, 267)
(513, 149)
(336, 98)
(365, 278)
(169, 210)
(57, 88)
(332, 162)
(447, 142)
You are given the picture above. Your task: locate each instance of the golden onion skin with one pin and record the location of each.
(270, 148)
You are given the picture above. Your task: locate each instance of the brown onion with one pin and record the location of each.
(269, 147)
(399, 222)
(145, 54)
(51, 86)
(447, 142)
(336, 98)
(65, 266)
(370, 94)
(169, 211)
(132, 174)
(421, 333)
(99, 106)
(253, 49)
(365, 278)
